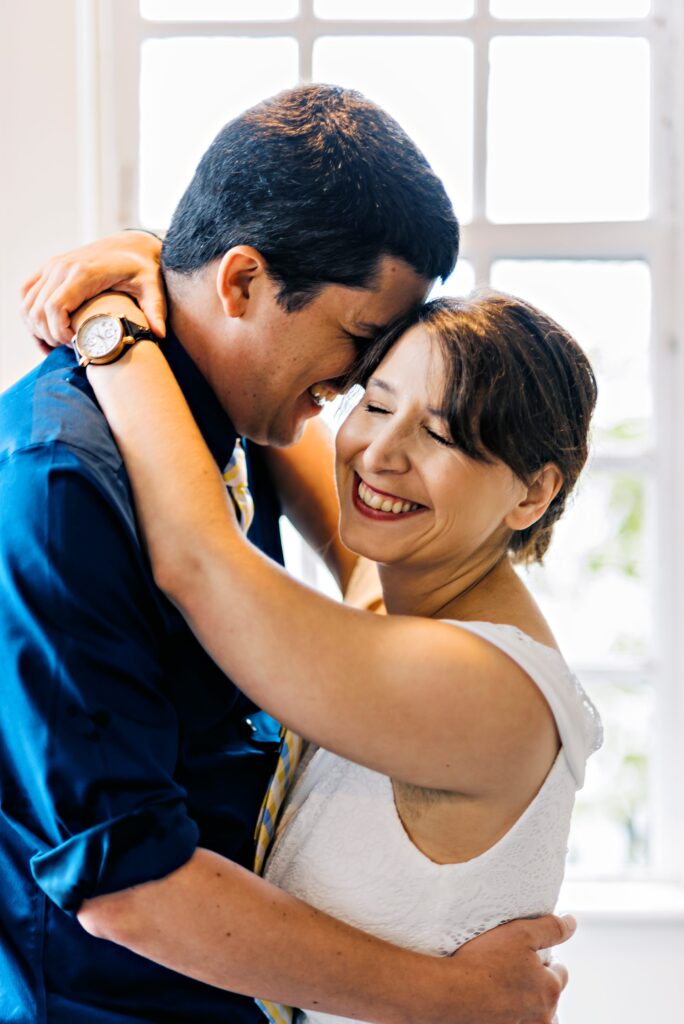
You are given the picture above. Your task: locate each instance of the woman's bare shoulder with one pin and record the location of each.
(512, 605)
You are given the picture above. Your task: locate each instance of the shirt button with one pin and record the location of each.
(248, 728)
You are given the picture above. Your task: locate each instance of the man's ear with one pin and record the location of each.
(237, 273)
(544, 487)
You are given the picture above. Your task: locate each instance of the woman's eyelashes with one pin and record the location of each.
(439, 438)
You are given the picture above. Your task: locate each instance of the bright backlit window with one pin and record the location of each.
(549, 121)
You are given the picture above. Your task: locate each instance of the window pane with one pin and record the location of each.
(217, 10)
(438, 115)
(611, 824)
(461, 282)
(181, 113)
(565, 145)
(303, 563)
(397, 10)
(594, 586)
(570, 8)
(606, 305)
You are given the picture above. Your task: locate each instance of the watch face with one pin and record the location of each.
(100, 335)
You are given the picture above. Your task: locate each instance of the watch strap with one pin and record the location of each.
(137, 332)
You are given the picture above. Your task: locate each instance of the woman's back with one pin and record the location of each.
(342, 845)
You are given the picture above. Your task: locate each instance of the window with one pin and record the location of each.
(550, 123)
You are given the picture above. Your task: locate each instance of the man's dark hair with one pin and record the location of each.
(323, 183)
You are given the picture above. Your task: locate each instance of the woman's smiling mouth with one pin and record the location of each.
(379, 504)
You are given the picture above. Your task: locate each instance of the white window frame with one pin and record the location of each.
(110, 35)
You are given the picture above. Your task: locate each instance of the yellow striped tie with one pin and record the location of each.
(235, 478)
(290, 753)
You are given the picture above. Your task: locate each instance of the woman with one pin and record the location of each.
(451, 734)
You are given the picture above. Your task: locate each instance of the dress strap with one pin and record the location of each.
(576, 717)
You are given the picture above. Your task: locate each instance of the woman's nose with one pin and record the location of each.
(387, 452)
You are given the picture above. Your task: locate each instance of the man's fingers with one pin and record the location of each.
(550, 930)
(561, 972)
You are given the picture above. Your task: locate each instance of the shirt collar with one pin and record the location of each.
(214, 423)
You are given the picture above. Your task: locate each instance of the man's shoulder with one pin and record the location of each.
(52, 407)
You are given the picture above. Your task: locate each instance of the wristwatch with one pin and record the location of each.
(105, 337)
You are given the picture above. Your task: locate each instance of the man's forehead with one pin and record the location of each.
(371, 310)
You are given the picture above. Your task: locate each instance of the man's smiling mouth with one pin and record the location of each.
(322, 393)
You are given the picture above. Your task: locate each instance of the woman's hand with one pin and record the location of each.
(125, 262)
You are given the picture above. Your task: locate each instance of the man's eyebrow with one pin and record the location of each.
(384, 386)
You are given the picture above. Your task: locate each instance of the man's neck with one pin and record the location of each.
(186, 345)
(188, 314)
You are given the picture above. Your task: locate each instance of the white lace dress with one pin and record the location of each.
(341, 845)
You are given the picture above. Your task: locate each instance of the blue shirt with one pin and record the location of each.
(122, 746)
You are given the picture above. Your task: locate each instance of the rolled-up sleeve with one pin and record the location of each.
(88, 736)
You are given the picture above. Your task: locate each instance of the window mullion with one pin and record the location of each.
(306, 37)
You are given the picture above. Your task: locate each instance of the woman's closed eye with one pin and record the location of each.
(440, 438)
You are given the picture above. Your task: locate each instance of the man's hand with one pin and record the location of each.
(502, 977)
(220, 924)
(126, 262)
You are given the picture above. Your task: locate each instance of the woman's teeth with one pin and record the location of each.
(381, 503)
(322, 394)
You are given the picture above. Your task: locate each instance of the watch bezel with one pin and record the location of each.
(117, 347)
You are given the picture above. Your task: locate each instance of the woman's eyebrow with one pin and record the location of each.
(382, 384)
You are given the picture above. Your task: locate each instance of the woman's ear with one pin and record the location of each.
(543, 488)
(237, 272)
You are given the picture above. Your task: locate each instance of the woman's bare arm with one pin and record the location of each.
(415, 699)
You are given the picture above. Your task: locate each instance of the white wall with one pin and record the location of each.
(39, 169)
(625, 975)
(626, 967)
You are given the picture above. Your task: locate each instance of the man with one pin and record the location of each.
(133, 772)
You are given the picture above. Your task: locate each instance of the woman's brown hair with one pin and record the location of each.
(519, 389)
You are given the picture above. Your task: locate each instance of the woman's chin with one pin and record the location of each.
(362, 542)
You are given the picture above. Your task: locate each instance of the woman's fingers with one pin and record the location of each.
(35, 311)
(30, 291)
(127, 262)
(57, 317)
(29, 283)
(148, 290)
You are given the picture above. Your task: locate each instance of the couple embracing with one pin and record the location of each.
(224, 795)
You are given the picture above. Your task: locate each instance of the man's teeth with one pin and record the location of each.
(322, 394)
(384, 504)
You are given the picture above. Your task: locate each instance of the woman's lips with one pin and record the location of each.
(377, 513)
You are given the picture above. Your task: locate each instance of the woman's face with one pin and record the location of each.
(407, 493)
